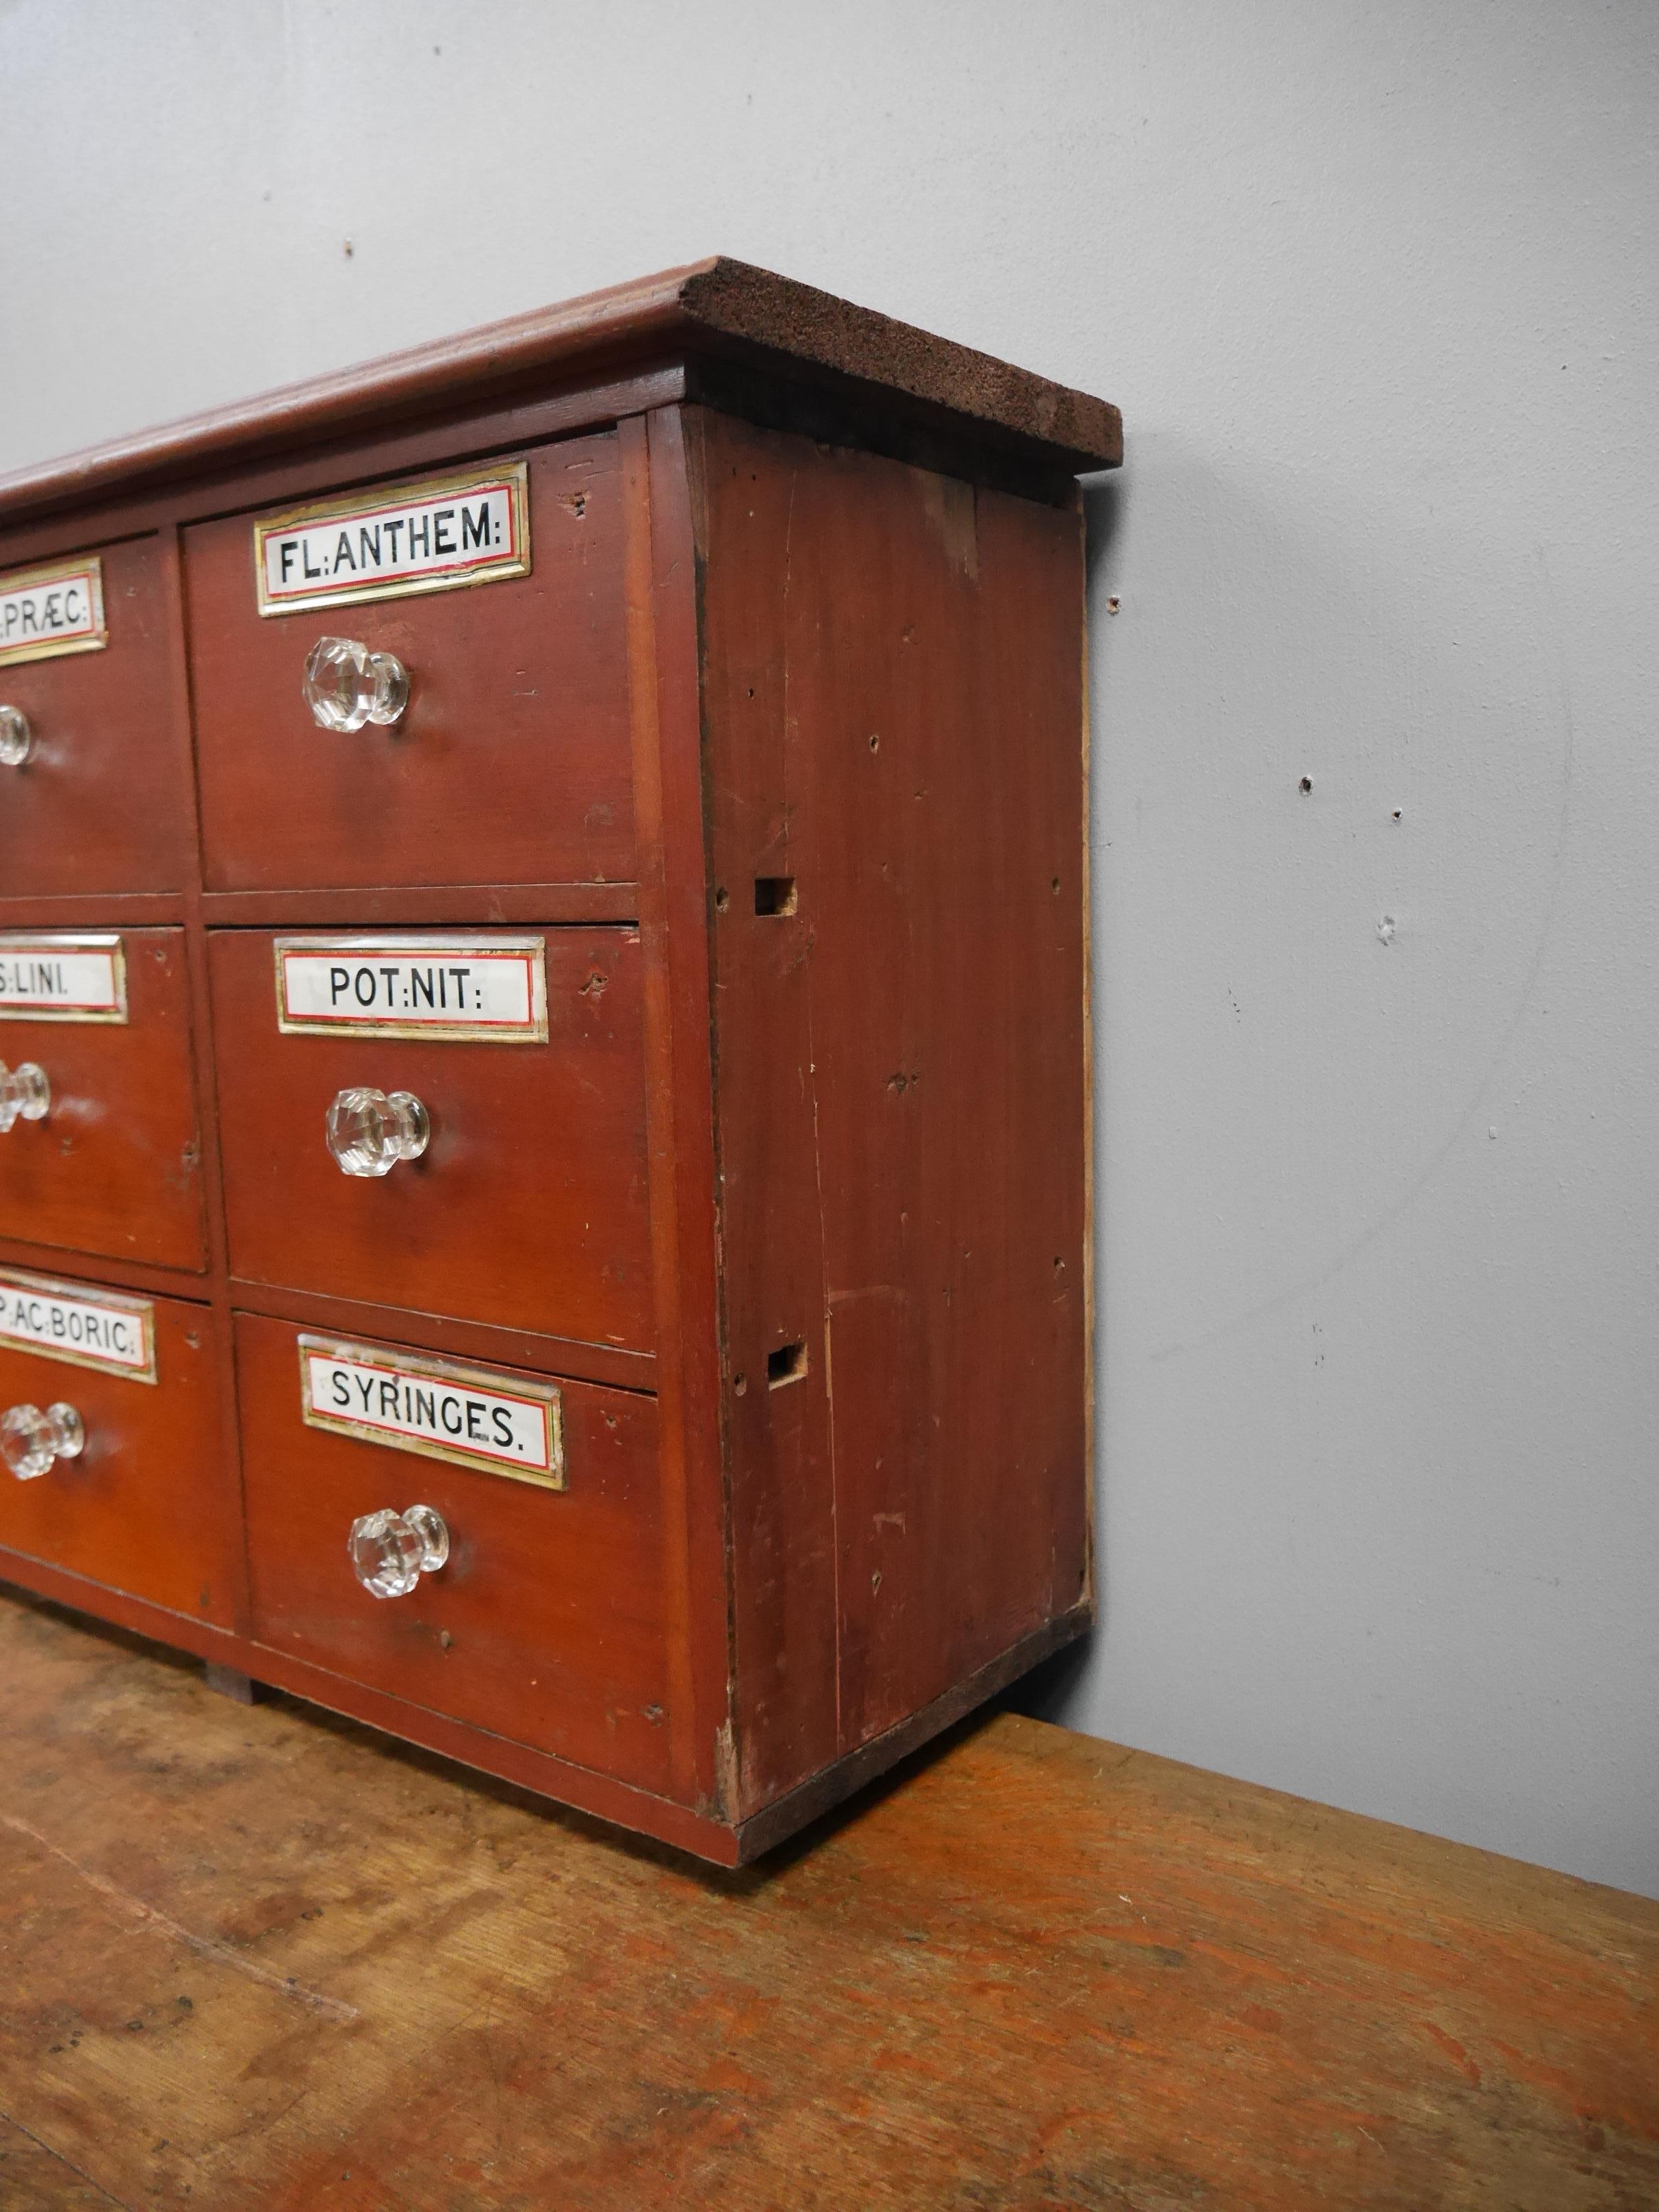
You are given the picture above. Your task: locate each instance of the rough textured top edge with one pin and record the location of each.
(781, 316)
(718, 301)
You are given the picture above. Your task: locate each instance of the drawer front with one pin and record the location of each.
(113, 1165)
(511, 761)
(545, 1623)
(147, 1505)
(98, 804)
(527, 1208)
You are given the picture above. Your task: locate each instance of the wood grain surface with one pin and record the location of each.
(114, 1167)
(726, 306)
(99, 804)
(660, 747)
(528, 1208)
(510, 762)
(252, 1957)
(545, 1625)
(149, 1506)
(893, 708)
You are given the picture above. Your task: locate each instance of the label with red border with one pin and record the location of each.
(473, 528)
(506, 1423)
(59, 975)
(79, 1323)
(58, 608)
(477, 988)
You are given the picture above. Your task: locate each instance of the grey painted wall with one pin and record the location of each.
(1375, 287)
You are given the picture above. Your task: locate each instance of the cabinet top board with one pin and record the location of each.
(719, 319)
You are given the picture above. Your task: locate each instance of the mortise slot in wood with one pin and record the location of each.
(775, 895)
(786, 1364)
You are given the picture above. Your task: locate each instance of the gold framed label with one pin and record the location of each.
(472, 1416)
(55, 609)
(81, 1324)
(63, 975)
(462, 988)
(434, 535)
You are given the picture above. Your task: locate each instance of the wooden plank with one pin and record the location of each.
(423, 905)
(449, 1334)
(375, 450)
(720, 304)
(660, 585)
(894, 714)
(254, 1959)
(33, 2178)
(120, 910)
(780, 1430)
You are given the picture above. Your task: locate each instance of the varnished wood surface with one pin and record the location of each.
(148, 1507)
(99, 805)
(510, 762)
(114, 1167)
(892, 703)
(528, 1208)
(545, 1624)
(250, 1958)
(720, 304)
(797, 1598)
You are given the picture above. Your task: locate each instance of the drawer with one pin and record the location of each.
(147, 1505)
(527, 1208)
(113, 1165)
(545, 1622)
(511, 761)
(98, 803)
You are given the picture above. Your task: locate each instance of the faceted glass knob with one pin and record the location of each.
(25, 1093)
(370, 1131)
(31, 1440)
(347, 685)
(390, 1551)
(16, 738)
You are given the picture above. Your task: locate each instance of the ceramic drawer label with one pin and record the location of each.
(473, 528)
(87, 1328)
(52, 610)
(501, 1423)
(484, 989)
(56, 976)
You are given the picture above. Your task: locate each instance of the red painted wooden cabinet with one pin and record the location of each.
(543, 1193)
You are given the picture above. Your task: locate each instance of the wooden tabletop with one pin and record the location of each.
(253, 1956)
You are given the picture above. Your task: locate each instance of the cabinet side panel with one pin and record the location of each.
(784, 1560)
(893, 709)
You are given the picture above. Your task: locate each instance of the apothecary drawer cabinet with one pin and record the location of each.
(543, 1188)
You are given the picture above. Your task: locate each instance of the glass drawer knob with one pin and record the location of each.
(347, 685)
(31, 1440)
(370, 1131)
(25, 1093)
(16, 738)
(390, 1551)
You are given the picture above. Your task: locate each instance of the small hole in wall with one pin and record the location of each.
(786, 1364)
(722, 899)
(775, 895)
